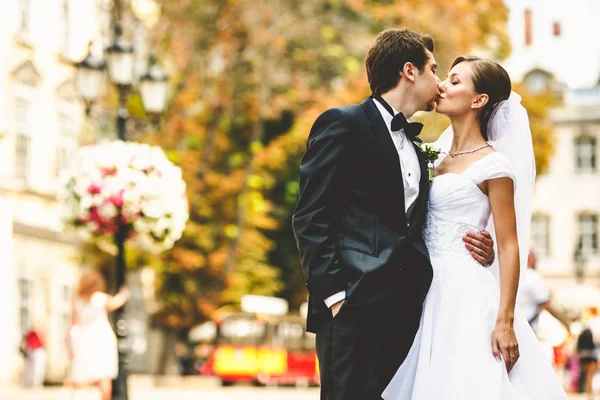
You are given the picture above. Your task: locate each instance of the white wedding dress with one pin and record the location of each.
(94, 344)
(451, 357)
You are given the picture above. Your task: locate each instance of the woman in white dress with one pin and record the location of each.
(93, 344)
(472, 344)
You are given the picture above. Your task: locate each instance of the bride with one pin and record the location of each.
(472, 344)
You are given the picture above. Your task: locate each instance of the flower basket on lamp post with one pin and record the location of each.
(125, 187)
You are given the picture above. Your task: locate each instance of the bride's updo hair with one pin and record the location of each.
(489, 78)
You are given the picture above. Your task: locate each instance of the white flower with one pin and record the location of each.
(429, 151)
(86, 202)
(97, 200)
(430, 147)
(161, 226)
(142, 226)
(112, 185)
(107, 210)
(81, 186)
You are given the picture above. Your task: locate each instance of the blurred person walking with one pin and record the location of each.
(92, 342)
(588, 360)
(32, 347)
(534, 295)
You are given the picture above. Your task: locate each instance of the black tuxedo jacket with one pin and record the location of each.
(350, 222)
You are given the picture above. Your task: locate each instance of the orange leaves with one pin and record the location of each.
(218, 258)
(542, 134)
(188, 259)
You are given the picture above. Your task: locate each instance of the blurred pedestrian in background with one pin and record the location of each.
(534, 295)
(93, 344)
(588, 359)
(32, 348)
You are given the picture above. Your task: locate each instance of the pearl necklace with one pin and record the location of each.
(451, 154)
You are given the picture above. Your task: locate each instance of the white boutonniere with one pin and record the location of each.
(431, 153)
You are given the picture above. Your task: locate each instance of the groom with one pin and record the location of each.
(359, 220)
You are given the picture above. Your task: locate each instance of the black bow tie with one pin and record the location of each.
(399, 121)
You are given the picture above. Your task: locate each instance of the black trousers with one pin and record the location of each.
(361, 349)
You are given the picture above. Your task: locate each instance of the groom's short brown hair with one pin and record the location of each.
(392, 49)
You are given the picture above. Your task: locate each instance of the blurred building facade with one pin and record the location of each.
(40, 118)
(552, 49)
(41, 125)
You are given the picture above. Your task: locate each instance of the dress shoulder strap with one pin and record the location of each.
(491, 166)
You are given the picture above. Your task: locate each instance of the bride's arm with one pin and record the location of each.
(501, 195)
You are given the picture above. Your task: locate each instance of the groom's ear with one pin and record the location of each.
(409, 71)
(480, 101)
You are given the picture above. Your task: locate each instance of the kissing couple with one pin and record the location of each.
(394, 241)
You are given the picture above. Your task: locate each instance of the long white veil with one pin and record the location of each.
(509, 133)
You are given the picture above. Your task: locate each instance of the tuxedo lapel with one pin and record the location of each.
(424, 183)
(385, 146)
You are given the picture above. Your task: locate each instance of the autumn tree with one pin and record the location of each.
(244, 70)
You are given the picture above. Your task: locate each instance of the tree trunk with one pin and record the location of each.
(264, 91)
(167, 349)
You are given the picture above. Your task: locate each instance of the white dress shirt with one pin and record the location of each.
(409, 161)
(533, 292)
(411, 173)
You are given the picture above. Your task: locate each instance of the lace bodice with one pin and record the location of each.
(458, 206)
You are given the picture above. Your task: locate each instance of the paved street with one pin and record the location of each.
(235, 393)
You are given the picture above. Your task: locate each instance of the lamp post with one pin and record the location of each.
(153, 86)
(90, 79)
(120, 70)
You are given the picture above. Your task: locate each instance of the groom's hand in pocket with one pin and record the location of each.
(335, 309)
(481, 246)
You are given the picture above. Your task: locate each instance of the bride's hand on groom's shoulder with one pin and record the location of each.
(481, 246)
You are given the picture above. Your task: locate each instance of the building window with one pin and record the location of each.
(556, 29)
(65, 310)
(64, 27)
(24, 16)
(585, 154)
(588, 233)
(528, 27)
(540, 234)
(25, 300)
(23, 140)
(67, 141)
(537, 81)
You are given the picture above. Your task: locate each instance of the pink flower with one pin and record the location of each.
(95, 216)
(117, 199)
(94, 188)
(112, 171)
